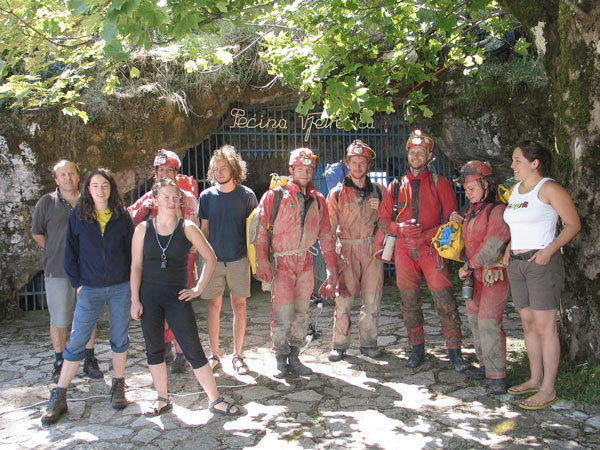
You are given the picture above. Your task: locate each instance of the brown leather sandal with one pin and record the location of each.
(239, 365)
(216, 366)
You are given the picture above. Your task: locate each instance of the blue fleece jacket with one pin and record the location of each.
(96, 260)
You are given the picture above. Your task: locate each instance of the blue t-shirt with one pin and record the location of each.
(226, 213)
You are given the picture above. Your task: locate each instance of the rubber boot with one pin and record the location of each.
(498, 386)
(282, 366)
(475, 374)
(295, 365)
(417, 357)
(179, 363)
(457, 360)
(336, 354)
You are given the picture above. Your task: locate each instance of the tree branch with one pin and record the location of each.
(576, 9)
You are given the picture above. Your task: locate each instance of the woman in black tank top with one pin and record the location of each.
(160, 251)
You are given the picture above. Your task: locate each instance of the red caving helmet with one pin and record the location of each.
(167, 158)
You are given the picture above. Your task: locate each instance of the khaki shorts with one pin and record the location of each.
(60, 298)
(234, 274)
(537, 286)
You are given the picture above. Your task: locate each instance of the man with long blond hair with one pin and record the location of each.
(223, 210)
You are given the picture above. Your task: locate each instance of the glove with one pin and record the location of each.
(264, 271)
(491, 275)
(329, 287)
(410, 230)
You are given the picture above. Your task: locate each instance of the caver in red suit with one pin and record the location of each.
(485, 235)
(302, 219)
(422, 207)
(353, 217)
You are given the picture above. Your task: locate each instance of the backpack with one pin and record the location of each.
(277, 186)
(334, 174)
(187, 183)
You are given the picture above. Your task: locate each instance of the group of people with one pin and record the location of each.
(93, 256)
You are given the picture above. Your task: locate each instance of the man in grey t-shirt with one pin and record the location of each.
(49, 230)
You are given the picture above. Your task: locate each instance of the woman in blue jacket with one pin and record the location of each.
(97, 262)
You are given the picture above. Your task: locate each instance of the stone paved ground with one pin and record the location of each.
(357, 403)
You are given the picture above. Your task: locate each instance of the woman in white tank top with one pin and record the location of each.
(535, 267)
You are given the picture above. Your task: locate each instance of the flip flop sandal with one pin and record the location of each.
(154, 411)
(227, 412)
(240, 366)
(521, 390)
(535, 407)
(217, 366)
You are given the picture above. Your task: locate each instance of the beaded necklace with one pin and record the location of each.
(163, 264)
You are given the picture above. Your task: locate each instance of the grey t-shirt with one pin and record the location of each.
(50, 218)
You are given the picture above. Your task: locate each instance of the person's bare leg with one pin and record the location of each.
(58, 337)
(118, 361)
(545, 326)
(206, 379)
(213, 323)
(159, 379)
(69, 369)
(238, 305)
(534, 349)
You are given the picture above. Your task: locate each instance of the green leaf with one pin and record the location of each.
(521, 47)
(427, 113)
(222, 6)
(134, 72)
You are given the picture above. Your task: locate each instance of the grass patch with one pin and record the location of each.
(579, 383)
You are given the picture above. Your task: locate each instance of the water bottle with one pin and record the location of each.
(467, 287)
(389, 244)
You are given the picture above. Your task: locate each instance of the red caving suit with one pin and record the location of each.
(292, 238)
(419, 199)
(355, 222)
(485, 239)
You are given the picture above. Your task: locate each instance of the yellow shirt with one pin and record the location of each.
(102, 217)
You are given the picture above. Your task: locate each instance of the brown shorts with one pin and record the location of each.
(537, 286)
(233, 274)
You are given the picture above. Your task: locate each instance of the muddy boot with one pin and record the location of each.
(295, 365)
(57, 406)
(498, 386)
(117, 394)
(371, 352)
(475, 374)
(282, 366)
(457, 360)
(178, 365)
(417, 357)
(336, 355)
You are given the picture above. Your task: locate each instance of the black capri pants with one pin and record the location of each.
(160, 302)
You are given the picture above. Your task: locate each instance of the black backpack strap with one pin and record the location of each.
(277, 196)
(396, 193)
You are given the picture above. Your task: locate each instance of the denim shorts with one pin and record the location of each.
(90, 301)
(60, 298)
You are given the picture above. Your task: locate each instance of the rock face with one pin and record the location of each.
(124, 134)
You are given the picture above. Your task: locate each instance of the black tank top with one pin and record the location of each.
(175, 274)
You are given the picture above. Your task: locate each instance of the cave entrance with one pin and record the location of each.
(264, 135)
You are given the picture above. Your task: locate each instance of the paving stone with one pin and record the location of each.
(355, 403)
(145, 435)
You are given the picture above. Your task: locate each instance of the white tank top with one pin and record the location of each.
(532, 222)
